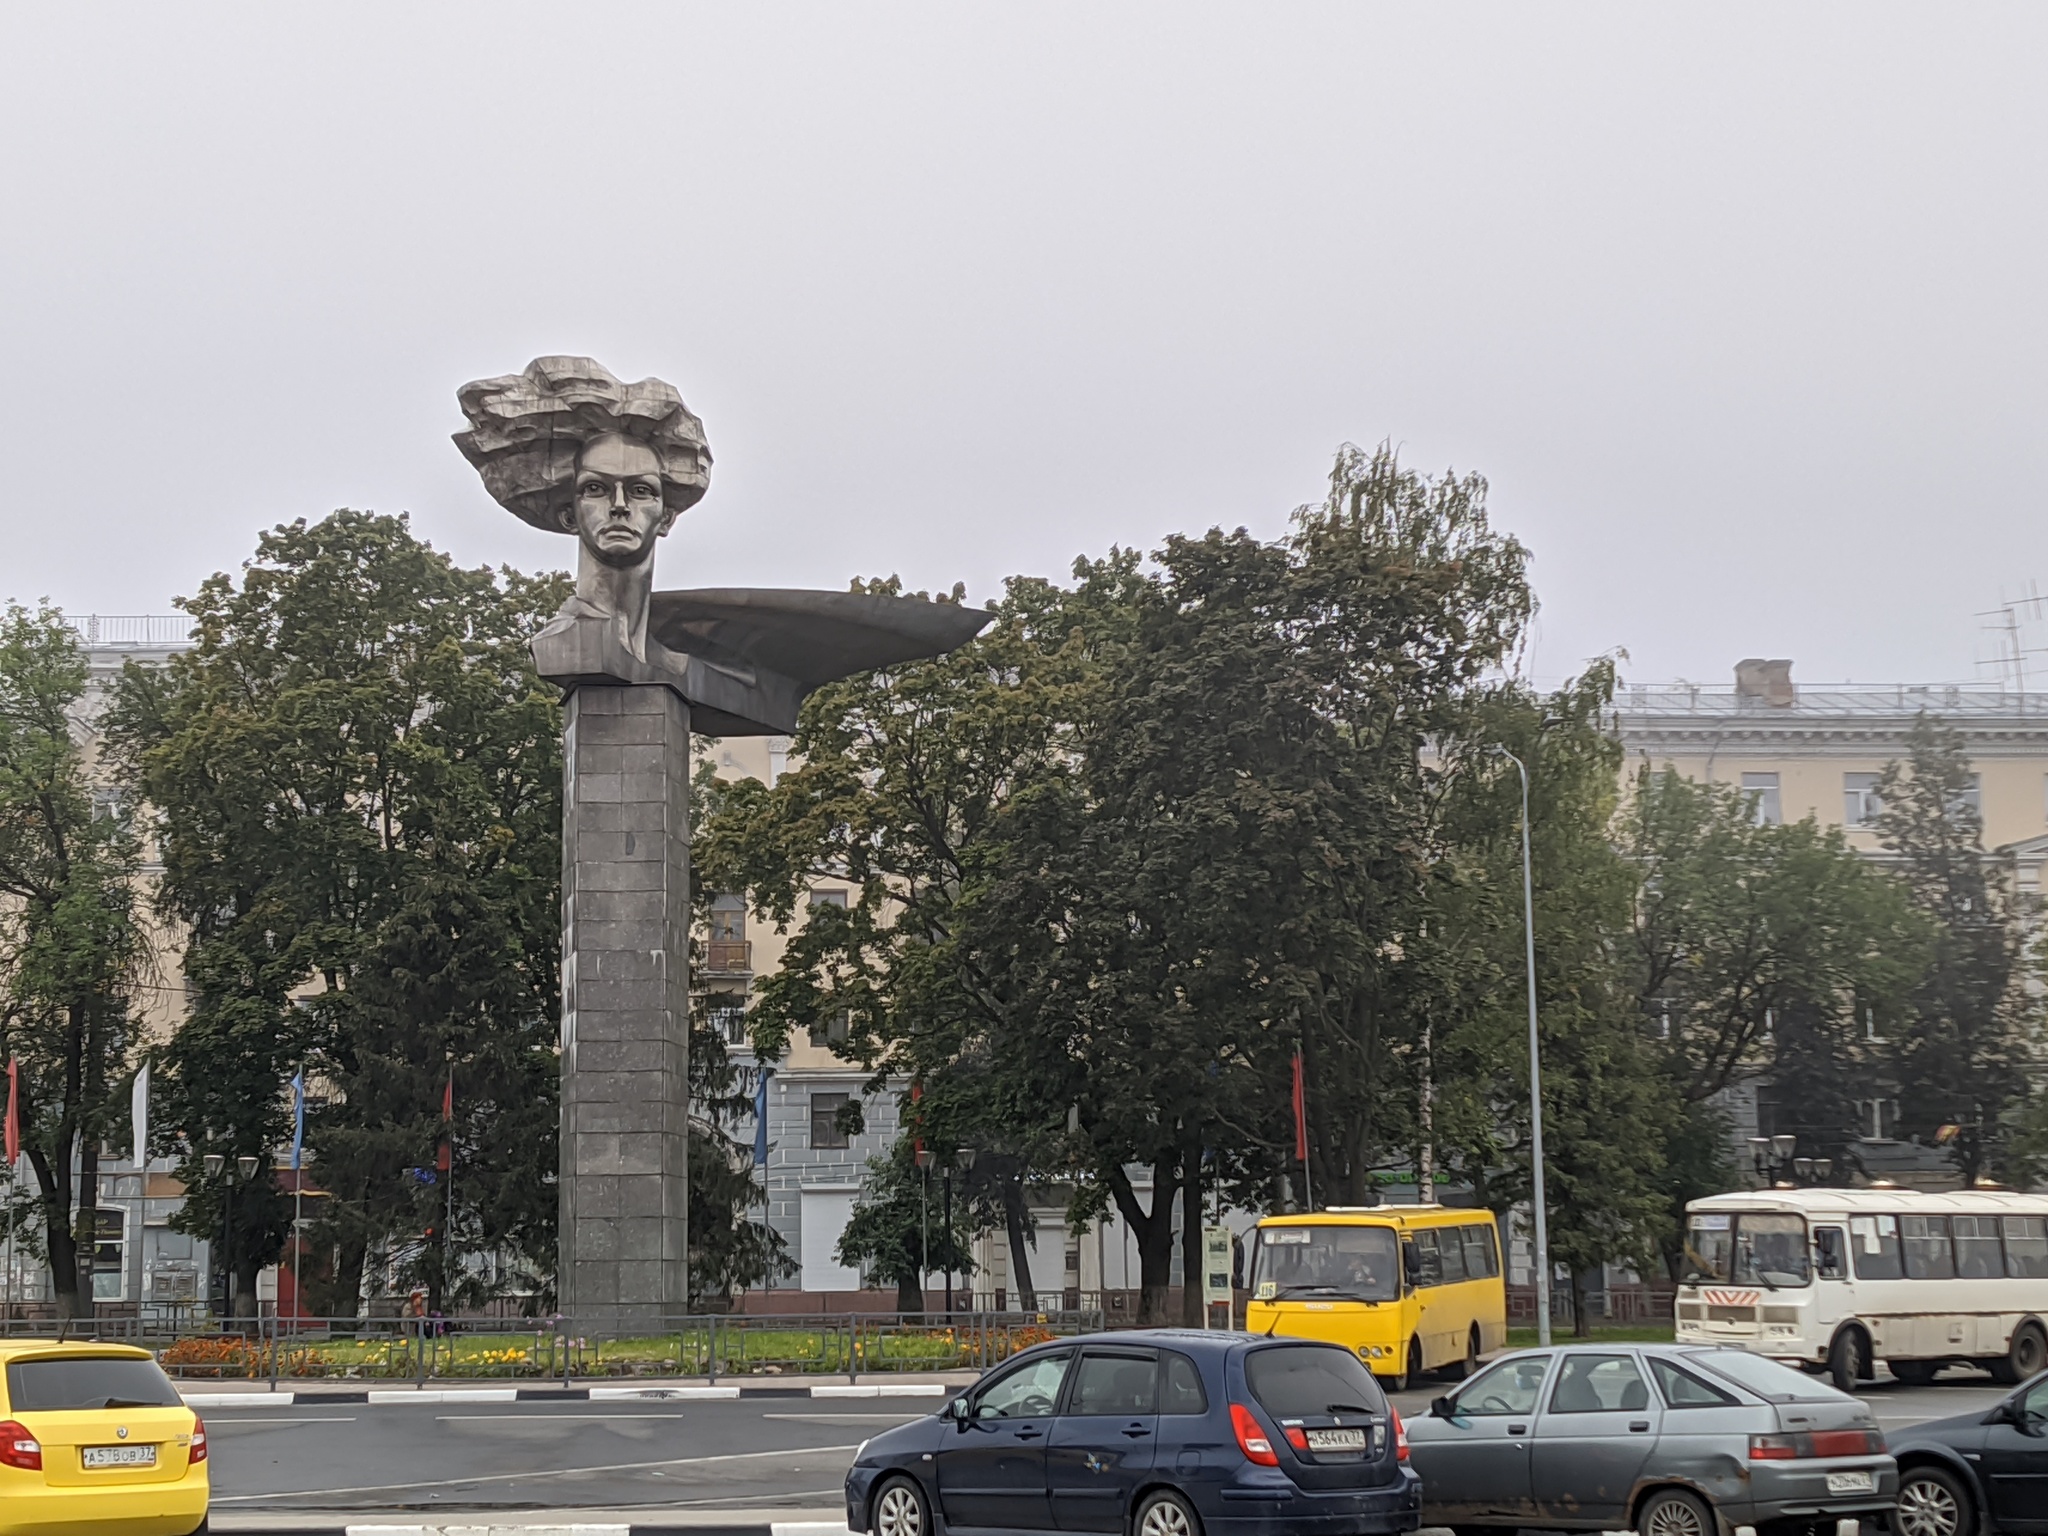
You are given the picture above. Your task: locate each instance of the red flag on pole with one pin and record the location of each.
(1300, 1113)
(13, 1113)
(447, 1153)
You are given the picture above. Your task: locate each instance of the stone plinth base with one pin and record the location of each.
(625, 1005)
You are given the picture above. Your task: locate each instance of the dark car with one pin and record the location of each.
(1977, 1472)
(1160, 1432)
(1668, 1440)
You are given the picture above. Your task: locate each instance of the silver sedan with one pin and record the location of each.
(1668, 1440)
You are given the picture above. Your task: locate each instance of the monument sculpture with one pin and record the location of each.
(570, 448)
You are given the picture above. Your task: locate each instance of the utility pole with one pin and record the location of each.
(1542, 1255)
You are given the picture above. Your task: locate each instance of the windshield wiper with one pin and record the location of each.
(126, 1402)
(1345, 1408)
(1324, 1290)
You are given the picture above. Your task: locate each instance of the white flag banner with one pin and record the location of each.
(140, 1105)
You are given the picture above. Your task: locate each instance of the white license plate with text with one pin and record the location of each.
(1851, 1482)
(1336, 1439)
(119, 1456)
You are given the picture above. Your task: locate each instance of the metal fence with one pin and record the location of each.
(1616, 1304)
(412, 1349)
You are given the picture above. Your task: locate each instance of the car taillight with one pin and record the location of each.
(19, 1448)
(1251, 1439)
(1820, 1443)
(1400, 1433)
(1297, 1437)
(198, 1452)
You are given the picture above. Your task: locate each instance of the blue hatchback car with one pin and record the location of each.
(1160, 1432)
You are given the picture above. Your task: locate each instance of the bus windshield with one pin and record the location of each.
(1342, 1263)
(1766, 1248)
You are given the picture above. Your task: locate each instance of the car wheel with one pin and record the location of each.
(900, 1510)
(2029, 1352)
(1166, 1514)
(1847, 1360)
(1914, 1373)
(1932, 1502)
(1674, 1512)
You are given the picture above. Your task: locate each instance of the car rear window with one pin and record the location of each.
(1766, 1378)
(54, 1386)
(1300, 1381)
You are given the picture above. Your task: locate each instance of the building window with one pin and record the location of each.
(1971, 800)
(828, 898)
(825, 1131)
(1761, 791)
(1879, 1118)
(831, 1031)
(1860, 805)
(729, 1022)
(727, 954)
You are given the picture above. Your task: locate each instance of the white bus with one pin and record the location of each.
(1844, 1278)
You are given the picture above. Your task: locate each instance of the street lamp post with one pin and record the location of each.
(1535, 1071)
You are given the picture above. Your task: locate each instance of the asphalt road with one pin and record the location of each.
(779, 1453)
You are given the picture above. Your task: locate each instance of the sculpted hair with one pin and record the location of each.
(526, 430)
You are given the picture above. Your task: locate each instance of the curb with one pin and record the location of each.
(388, 1396)
(542, 1523)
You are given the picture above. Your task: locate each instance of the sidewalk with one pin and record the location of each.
(255, 1394)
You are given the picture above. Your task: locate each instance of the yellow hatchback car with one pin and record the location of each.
(94, 1438)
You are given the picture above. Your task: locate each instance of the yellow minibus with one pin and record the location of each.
(1406, 1288)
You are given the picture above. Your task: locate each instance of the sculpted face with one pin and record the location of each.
(618, 510)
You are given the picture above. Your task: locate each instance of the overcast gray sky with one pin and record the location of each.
(1740, 308)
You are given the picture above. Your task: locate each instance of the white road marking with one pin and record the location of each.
(683, 1394)
(528, 1418)
(885, 1389)
(843, 1418)
(431, 1395)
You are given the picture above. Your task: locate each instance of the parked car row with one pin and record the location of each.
(1181, 1433)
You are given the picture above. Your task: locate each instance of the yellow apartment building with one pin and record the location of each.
(1817, 750)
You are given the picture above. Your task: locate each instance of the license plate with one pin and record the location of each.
(119, 1456)
(1336, 1439)
(1851, 1482)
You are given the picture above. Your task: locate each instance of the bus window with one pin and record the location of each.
(1429, 1267)
(1875, 1242)
(1771, 1247)
(2026, 1247)
(1977, 1255)
(1345, 1262)
(1927, 1252)
(1451, 1255)
(1831, 1253)
(1479, 1259)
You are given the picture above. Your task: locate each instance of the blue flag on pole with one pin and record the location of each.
(761, 1117)
(298, 1116)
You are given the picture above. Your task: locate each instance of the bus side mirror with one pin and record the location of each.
(1411, 1263)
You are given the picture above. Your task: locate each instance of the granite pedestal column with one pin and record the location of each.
(624, 1197)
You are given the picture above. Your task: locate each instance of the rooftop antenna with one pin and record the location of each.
(2005, 621)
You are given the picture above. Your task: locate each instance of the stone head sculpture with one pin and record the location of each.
(567, 447)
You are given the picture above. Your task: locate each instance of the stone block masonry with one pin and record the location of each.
(624, 1195)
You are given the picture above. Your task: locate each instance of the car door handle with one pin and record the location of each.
(1639, 1426)
(1027, 1433)
(1136, 1431)
(1518, 1429)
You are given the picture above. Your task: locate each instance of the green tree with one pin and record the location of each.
(898, 1231)
(1607, 1107)
(1964, 1054)
(1764, 950)
(72, 948)
(905, 776)
(355, 782)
